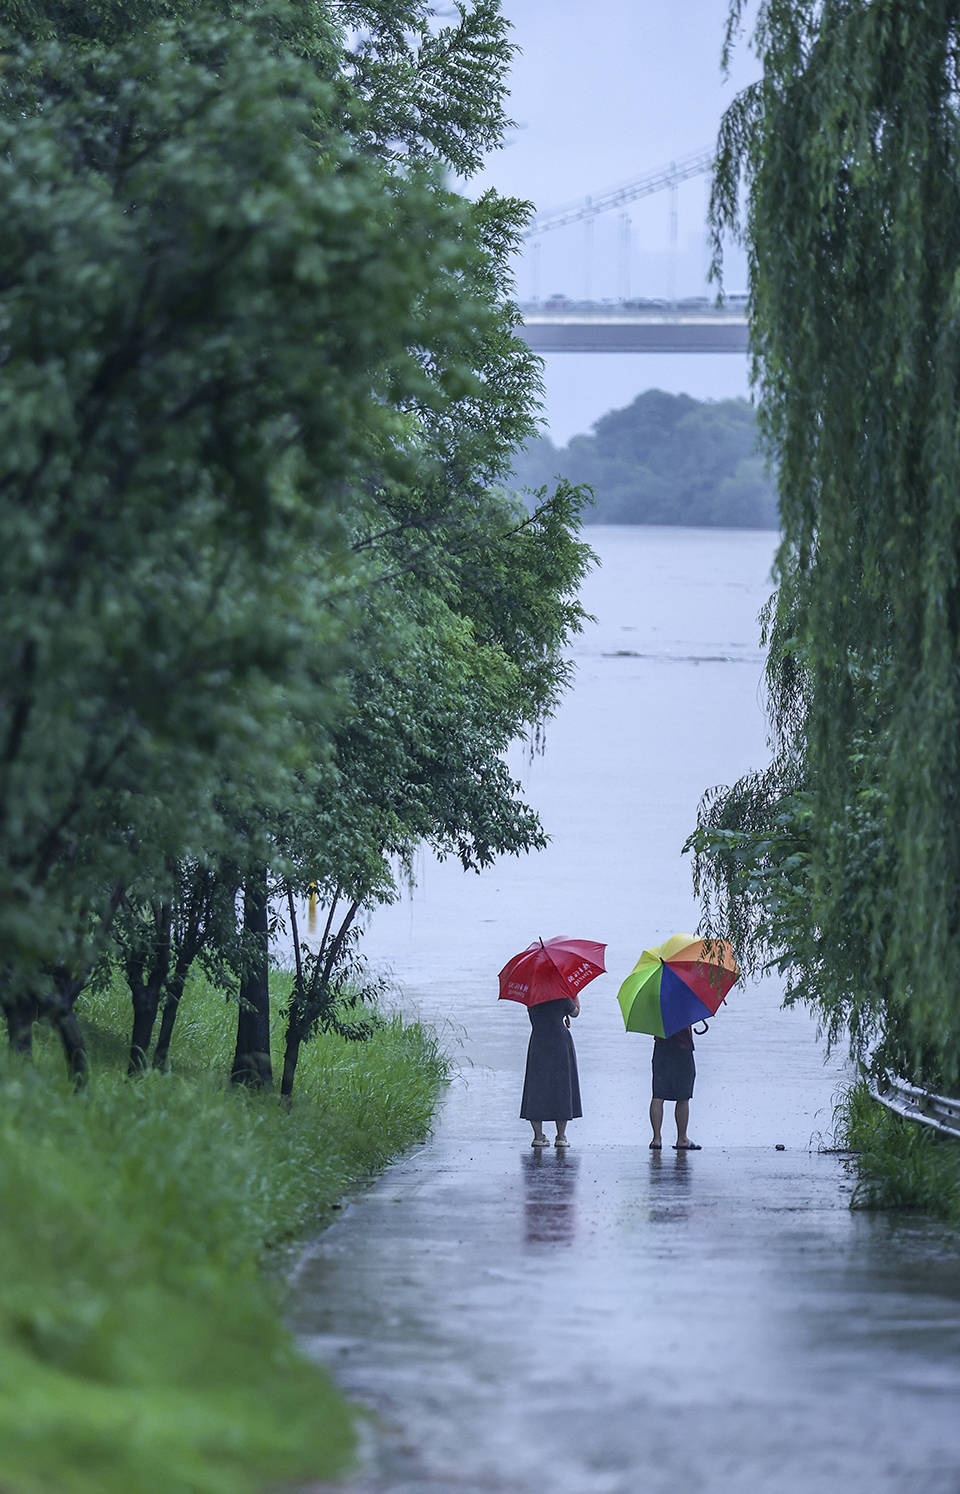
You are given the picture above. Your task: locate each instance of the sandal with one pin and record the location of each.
(561, 1141)
(656, 1146)
(687, 1146)
(540, 1141)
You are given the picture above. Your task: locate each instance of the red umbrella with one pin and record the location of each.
(547, 971)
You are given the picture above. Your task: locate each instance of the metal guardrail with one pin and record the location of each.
(938, 1111)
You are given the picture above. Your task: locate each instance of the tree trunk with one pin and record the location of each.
(145, 1002)
(68, 987)
(294, 1037)
(171, 1007)
(21, 1015)
(193, 929)
(291, 1056)
(251, 1062)
(310, 1004)
(74, 1047)
(145, 993)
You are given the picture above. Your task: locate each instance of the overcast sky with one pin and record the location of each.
(603, 92)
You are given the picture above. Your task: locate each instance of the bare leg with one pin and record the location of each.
(561, 1134)
(538, 1137)
(682, 1113)
(656, 1121)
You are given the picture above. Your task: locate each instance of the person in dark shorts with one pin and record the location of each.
(551, 1084)
(674, 1071)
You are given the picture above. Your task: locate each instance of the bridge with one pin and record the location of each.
(625, 323)
(623, 327)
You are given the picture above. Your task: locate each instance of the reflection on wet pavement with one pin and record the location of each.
(550, 1207)
(580, 1322)
(584, 1321)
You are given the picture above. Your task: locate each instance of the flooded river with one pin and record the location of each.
(609, 1319)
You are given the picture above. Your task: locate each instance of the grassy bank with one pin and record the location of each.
(142, 1344)
(901, 1165)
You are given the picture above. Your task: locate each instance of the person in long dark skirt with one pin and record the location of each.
(674, 1071)
(551, 1084)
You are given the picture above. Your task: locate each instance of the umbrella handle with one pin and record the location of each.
(701, 1030)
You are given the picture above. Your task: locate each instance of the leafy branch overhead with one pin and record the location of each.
(270, 617)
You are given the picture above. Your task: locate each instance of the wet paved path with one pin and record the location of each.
(610, 1321)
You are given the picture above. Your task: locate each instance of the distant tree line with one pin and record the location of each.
(664, 459)
(270, 617)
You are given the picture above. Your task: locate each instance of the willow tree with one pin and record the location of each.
(842, 861)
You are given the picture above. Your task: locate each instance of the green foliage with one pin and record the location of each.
(269, 621)
(122, 1248)
(434, 92)
(187, 388)
(475, 659)
(848, 149)
(901, 1165)
(266, 605)
(303, 27)
(664, 459)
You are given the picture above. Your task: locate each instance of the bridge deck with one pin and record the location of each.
(622, 332)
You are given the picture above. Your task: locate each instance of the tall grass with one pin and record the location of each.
(143, 1348)
(900, 1165)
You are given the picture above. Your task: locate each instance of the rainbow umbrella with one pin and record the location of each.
(677, 983)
